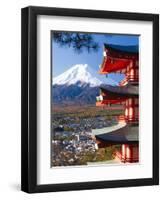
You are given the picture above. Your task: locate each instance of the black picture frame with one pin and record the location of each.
(29, 99)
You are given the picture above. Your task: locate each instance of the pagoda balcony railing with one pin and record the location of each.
(110, 103)
(100, 103)
(130, 160)
(129, 78)
(121, 118)
(132, 119)
(128, 119)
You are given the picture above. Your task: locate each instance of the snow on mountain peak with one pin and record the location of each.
(82, 74)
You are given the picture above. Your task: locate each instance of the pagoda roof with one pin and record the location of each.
(120, 91)
(121, 133)
(123, 48)
(108, 67)
(118, 57)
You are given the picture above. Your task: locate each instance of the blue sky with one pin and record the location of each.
(63, 58)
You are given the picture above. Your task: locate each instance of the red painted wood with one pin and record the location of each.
(122, 62)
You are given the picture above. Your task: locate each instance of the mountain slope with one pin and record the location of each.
(74, 94)
(82, 74)
(78, 85)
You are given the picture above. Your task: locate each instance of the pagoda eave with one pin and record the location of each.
(126, 91)
(118, 134)
(108, 67)
(125, 51)
(104, 143)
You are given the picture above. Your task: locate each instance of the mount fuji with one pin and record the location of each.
(78, 85)
(82, 74)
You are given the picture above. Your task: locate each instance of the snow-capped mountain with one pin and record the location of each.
(82, 74)
(78, 85)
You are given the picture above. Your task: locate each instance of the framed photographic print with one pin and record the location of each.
(90, 99)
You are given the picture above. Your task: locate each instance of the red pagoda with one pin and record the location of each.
(121, 59)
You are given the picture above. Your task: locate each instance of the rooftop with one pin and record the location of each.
(127, 90)
(120, 133)
(127, 49)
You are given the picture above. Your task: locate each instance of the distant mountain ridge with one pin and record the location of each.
(78, 85)
(74, 94)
